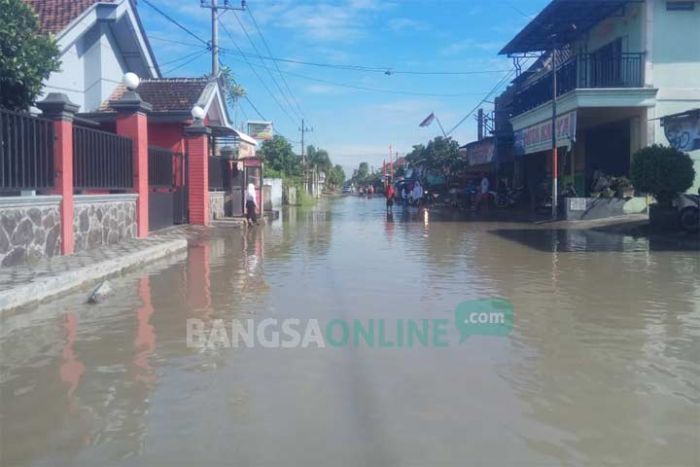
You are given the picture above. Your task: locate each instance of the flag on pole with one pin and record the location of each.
(428, 120)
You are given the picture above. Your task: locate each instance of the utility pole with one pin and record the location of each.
(215, 7)
(555, 158)
(304, 129)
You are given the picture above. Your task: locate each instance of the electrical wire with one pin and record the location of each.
(184, 57)
(175, 22)
(269, 51)
(365, 88)
(267, 88)
(272, 77)
(199, 55)
(494, 89)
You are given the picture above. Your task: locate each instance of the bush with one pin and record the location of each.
(662, 171)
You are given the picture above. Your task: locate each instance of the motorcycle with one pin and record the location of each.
(688, 207)
(509, 197)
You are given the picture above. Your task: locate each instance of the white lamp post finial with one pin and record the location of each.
(131, 81)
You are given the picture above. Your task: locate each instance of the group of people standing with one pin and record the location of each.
(410, 195)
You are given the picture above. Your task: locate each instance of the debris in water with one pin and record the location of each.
(101, 292)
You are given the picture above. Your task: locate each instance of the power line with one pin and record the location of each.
(386, 70)
(257, 74)
(498, 85)
(267, 47)
(199, 55)
(184, 57)
(366, 88)
(175, 22)
(279, 88)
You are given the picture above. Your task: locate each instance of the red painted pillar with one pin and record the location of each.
(132, 122)
(197, 136)
(61, 110)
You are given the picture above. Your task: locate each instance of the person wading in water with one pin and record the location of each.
(390, 193)
(250, 205)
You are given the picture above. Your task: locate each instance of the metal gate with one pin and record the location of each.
(167, 181)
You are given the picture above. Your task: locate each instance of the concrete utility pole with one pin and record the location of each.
(215, 7)
(555, 158)
(304, 129)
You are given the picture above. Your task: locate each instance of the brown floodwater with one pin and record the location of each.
(602, 366)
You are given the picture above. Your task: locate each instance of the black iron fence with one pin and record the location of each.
(26, 149)
(101, 160)
(217, 166)
(583, 71)
(160, 167)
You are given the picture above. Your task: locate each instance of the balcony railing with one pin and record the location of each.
(580, 72)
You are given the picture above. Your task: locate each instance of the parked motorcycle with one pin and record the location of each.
(688, 207)
(509, 197)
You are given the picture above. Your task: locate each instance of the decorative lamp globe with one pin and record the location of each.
(197, 112)
(131, 81)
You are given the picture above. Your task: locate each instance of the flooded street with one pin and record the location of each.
(602, 366)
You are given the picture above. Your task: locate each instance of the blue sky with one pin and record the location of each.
(354, 125)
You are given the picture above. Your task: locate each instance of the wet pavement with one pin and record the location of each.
(602, 366)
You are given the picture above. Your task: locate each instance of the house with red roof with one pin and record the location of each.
(99, 41)
(118, 151)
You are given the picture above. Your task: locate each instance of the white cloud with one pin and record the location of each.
(323, 89)
(470, 44)
(406, 25)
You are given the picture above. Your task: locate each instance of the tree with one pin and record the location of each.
(234, 91)
(335, 177)
(662, 171)
(279, 156)
(319, 158)
(27, 57)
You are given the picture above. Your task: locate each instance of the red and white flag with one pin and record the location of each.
(428, 120)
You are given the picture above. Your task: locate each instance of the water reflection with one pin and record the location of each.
(601, 367)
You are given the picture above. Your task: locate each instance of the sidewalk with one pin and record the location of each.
(27, 284)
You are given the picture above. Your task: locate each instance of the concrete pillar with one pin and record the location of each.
(132, 122)
(61, 110)
(197, 138)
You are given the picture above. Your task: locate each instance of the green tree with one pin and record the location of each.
(662, 171)
(335, 177)
(27, 57)
(234, 91)
(319, 158)
(279, 156)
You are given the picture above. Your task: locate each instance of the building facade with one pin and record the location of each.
(621, 67)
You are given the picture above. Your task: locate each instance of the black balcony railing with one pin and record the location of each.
(26, 149)
(583, 71)
(102, 160)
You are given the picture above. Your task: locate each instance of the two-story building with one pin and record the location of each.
(621, 67)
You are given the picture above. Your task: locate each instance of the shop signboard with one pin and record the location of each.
(481, 152)
(260, 131)
(538, 137)
(684, 133)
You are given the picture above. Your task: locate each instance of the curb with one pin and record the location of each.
(50, 286)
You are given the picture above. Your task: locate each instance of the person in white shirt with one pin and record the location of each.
(417, 193)
(484, 187)
(251, 214)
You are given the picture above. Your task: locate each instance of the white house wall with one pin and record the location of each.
(66, 80)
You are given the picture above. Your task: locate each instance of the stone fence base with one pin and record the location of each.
(30, 228)
(103, 220)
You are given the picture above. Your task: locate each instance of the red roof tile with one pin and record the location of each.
(165, 94)
(55, 15)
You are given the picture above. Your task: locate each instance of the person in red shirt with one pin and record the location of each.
(389, 193)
